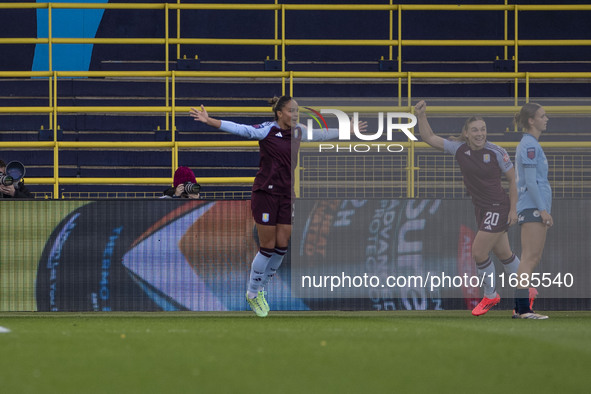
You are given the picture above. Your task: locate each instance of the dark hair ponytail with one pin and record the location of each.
(278, 103)
(527, 112)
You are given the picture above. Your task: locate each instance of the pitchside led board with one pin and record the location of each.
(168, 255)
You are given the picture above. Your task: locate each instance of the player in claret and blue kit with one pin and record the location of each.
(482, 164)
(272, 191)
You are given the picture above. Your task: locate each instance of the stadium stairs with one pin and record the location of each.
(239, 92)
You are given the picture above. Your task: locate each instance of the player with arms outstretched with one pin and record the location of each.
(272, 190)
(482, 164)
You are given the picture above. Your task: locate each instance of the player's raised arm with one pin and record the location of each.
(425, 130)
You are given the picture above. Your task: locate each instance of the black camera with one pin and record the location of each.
(15, 171)
(192, 188)
(6, 180)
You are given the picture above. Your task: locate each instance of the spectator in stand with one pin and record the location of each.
(12, 190)
(184, 186)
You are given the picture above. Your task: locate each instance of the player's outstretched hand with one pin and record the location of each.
(199, 116)
(361, 126)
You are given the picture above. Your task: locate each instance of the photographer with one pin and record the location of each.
(8, 189)
(185, 185)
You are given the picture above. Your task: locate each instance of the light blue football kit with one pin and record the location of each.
(532, 176)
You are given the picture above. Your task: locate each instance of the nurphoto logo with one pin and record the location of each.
(394, 122)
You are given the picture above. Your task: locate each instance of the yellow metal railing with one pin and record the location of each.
(288, 78)
(280, 20)
(54, 110)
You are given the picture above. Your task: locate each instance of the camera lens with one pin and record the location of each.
(192, 188)
(6, 180)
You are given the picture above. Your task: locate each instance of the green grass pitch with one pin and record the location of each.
(294, 352)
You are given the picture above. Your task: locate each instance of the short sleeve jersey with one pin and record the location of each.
(529, 153)
(481, 170)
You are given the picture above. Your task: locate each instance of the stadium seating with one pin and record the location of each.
(245, 92)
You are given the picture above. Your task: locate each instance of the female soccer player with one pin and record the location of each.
(272, 189)
(482, 164)
(534, 203)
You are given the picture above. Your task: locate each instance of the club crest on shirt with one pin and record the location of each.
(531, 153)
(486, 158)
(506, 158)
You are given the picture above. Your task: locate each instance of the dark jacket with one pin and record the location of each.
(169, 193)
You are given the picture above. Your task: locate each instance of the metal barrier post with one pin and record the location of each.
(52, 121)
(166, 67)
(505, 32)
(390, 30)
(526, 88)
(399, 54)
(178, 29)
(276, 29)
(55, 144)
(283, 47)
(173, 106)
(410, 165)
(516, 38)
